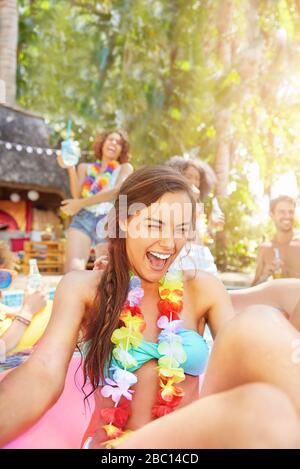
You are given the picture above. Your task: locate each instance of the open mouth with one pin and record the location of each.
(157, 260)
(111, 150)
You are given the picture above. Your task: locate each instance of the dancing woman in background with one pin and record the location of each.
(94, 187)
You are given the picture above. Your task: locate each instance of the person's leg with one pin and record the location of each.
(295, 317)
(78, 247)
(250, 416)
(100, 239)
(258, 345)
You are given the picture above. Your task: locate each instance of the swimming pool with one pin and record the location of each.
(14, 298)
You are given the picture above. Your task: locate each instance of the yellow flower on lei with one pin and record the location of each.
(177, 374)
(136, 323)
(169, 390)
(112, 431)
(114, 443)
(124, 337)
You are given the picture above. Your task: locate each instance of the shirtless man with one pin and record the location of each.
(280, 257)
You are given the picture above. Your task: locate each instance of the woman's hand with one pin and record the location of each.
(60, 161)
(101, 262)
(216, 222)
(34, 302)
(217, 219)
(71, 206)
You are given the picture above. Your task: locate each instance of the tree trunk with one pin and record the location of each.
(8, 50)
(222, 158)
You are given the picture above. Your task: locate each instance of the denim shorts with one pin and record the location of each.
(86, 222)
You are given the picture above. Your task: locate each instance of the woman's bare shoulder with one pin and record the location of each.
(80, 283)
(205, 289)
(202, 280)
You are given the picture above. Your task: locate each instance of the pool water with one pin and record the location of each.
(14, 298)
(12, 361)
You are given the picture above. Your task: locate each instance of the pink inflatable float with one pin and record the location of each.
(64, 424)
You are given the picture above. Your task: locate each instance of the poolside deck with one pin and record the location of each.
(237, 279)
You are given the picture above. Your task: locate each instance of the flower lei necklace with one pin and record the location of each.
(95, 180)
(129, 336)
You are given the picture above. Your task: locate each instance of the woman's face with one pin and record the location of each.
(193, 175)
(112, 146)
(156, 234)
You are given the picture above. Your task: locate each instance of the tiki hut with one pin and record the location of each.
(32, 185)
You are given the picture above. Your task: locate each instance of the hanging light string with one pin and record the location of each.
(30, 149)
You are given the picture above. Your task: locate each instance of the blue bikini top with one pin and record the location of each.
(194, 345)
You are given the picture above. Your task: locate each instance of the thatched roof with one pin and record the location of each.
(29, 170)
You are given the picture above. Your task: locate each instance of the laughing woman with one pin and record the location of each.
(93, 187)
(144, 349)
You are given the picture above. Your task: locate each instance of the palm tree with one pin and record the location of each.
(8, 50)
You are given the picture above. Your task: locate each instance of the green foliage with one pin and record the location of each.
(154, 67)
(125, 64)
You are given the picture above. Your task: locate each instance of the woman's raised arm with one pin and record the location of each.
(31, 389)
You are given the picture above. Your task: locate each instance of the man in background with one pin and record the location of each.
(280, 258)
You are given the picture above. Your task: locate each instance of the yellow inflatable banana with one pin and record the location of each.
(33, 332)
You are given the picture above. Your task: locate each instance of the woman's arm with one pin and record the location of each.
(31, 389)
(33, 303)
(73, 182)
(211, 301)
(9, 311)
(76, 176)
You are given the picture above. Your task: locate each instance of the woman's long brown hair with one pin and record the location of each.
(145, 186)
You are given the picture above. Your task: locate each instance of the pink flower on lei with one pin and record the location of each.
(135, 296)
(119, 385)
(171, 326)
